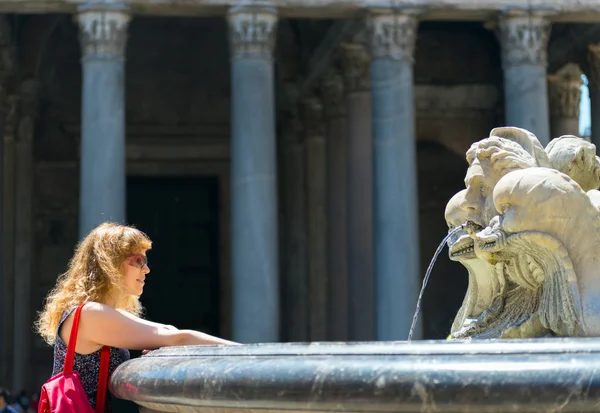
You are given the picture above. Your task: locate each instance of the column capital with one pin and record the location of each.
(392, 34)
(332, 91)
(593, 57)
(565, 92)
(103, 29)
(523, 37)
(355, 67)
(312, 118)
(252, 29)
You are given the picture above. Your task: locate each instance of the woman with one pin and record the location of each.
(107, 271)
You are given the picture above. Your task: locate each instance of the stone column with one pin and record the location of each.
(316, 216)
(524, 42)
(294, 277)
(8, 127)
(332, 90)
(354, 61)
(23, 255)
(255, 265)
(9, 108)
(396, 213)
(103, 35)
(564, 89)
(594, 88)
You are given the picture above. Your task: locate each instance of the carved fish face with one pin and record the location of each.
(460, 244)
(534, 214)
(491, 241)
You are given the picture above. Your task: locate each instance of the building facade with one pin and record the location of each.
(290, 159)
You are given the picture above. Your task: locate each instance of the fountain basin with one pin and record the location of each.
(535, 375)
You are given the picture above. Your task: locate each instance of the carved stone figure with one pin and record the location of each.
(576, 158)
(489, 160)
(538, 235)
(484, 286)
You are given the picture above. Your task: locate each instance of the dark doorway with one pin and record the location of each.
(181, 217)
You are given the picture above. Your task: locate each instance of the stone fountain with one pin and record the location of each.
(527, 229)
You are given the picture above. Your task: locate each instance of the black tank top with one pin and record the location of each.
(87, 365)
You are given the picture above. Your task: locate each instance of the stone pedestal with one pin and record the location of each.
(254, 242)
(564, 88)
(332, 89)
(361, 311)
(524, 41)
(103, 35)
(396, 214)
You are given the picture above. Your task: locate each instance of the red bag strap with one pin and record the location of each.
(68, 366)
(102, 379)
(104, 362)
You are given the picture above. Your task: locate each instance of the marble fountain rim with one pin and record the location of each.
(533, 375)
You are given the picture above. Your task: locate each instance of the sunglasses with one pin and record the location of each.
(137, 260)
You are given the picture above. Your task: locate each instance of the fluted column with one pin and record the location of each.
(524, 42)
(395, 209)
(316, 216)
(295, 275)
(332, 90)
(8, 123)
(103, 36)
(24, 232)
(594, 88)
(564, 88)
(354, 61)
(255, 261)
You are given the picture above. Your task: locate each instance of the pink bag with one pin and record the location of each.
(64, 392)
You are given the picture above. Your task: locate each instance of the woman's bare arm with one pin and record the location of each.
(103, 325)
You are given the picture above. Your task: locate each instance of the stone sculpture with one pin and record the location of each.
(543, 215)
(514, 290)
(577, 158)
(480, 315)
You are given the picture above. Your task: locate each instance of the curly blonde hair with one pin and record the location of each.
(94, 274)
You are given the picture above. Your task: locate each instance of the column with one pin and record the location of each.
(524, 42)
(564, 90)
(9, 107)
(316, 216)
(594, 88)
(395, 207)
(23, 255)
(294, 277)
(8, 127)
(354, 61)
(255, 265)
(332, 91)
(103, 35)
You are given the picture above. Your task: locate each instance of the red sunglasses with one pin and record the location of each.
(137, 260)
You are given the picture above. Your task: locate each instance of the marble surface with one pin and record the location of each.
(537, 375)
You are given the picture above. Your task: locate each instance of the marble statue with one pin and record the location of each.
(577, 158)
(548, 233)
(480, 315)
(509, 291)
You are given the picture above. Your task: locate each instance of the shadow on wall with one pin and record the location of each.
(440, 175)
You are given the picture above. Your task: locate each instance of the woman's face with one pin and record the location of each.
(134, 271)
